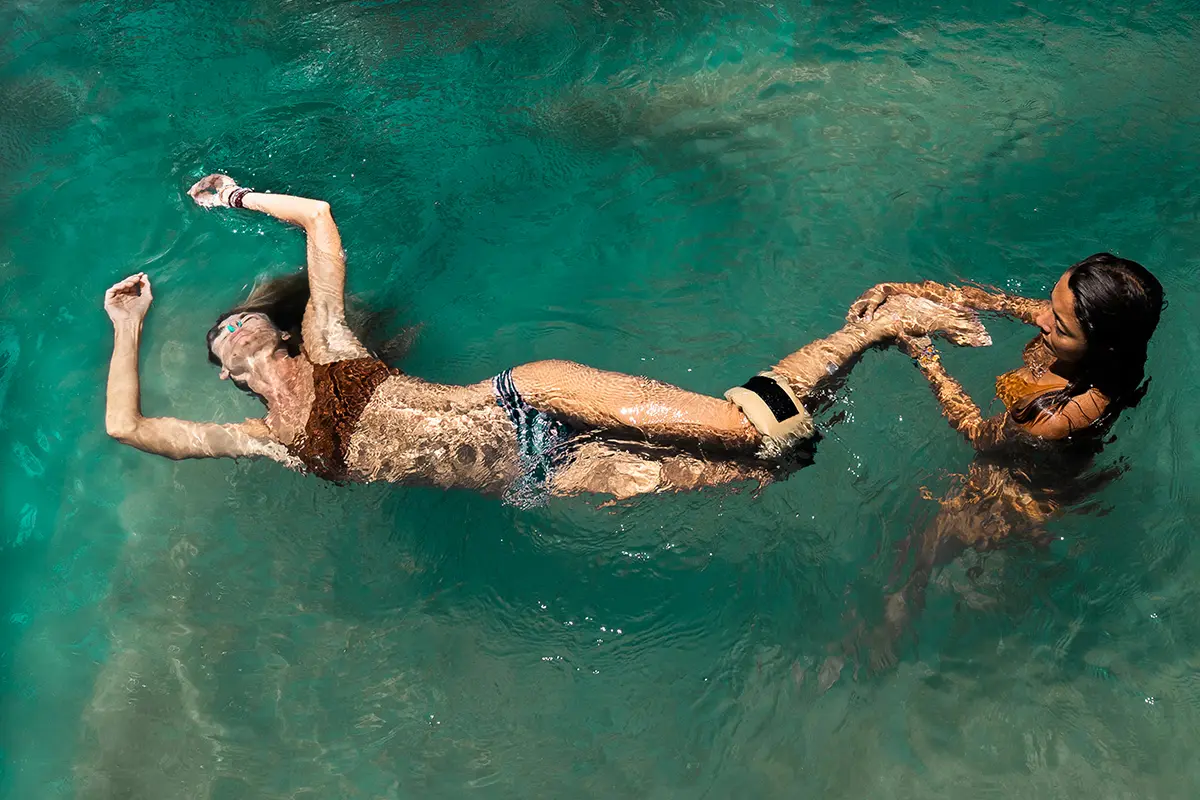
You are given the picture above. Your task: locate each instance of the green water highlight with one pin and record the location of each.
(688, 191)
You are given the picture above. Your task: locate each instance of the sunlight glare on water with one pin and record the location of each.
(684, 190)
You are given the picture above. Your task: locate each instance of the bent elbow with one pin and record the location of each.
(123, 430)
(320, 211)
(122, 435)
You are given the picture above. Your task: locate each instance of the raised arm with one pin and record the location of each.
(126, 303)
(327, 337)
(1023, 308)
(1074, 415)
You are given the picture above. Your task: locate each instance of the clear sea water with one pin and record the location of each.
(687, 190)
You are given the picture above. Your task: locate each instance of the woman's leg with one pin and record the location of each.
(612, 401)
(989, 508)
(615, 402)
(643, 407)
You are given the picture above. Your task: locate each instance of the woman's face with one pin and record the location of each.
(243, 339)
(1063, 333)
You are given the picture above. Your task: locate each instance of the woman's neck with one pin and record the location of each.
(283, 381)
(1067, 370)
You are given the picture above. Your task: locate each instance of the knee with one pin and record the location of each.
(740, 424)
(549, 365)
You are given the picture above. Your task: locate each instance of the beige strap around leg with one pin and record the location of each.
(771, 406)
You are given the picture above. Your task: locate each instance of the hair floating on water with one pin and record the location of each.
(284, 298)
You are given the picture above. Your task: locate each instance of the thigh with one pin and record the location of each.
(595, 398)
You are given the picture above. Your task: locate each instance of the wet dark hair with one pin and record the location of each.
(283, 300)
(1118, 303)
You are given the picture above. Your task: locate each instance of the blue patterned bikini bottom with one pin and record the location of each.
(543, 444)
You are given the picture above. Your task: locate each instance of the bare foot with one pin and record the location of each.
(881, 651)
(904, 315)
(831, 670)
(881, 642)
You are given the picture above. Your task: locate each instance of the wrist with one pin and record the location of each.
(937, 292)
(924, 354)
(232, 195)
(237, 197)
(128, 327)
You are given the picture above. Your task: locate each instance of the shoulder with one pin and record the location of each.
(1075, 416)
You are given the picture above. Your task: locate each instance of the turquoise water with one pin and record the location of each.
(684, 190)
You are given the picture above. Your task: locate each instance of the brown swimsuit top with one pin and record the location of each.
(341, 391)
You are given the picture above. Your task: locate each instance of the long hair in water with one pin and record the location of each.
(283, 300)
(1118, 303)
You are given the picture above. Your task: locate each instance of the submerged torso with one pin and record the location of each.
(368, 422)
(1017, 486)
(426, 433)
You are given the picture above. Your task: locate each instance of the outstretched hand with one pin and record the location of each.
(128, 300)
(212, 191)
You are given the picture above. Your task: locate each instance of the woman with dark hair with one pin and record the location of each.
(546, 428)
(1086, 366)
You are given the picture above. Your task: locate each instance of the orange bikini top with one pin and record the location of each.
(1013, 387)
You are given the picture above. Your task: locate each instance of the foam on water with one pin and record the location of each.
(688, 191)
